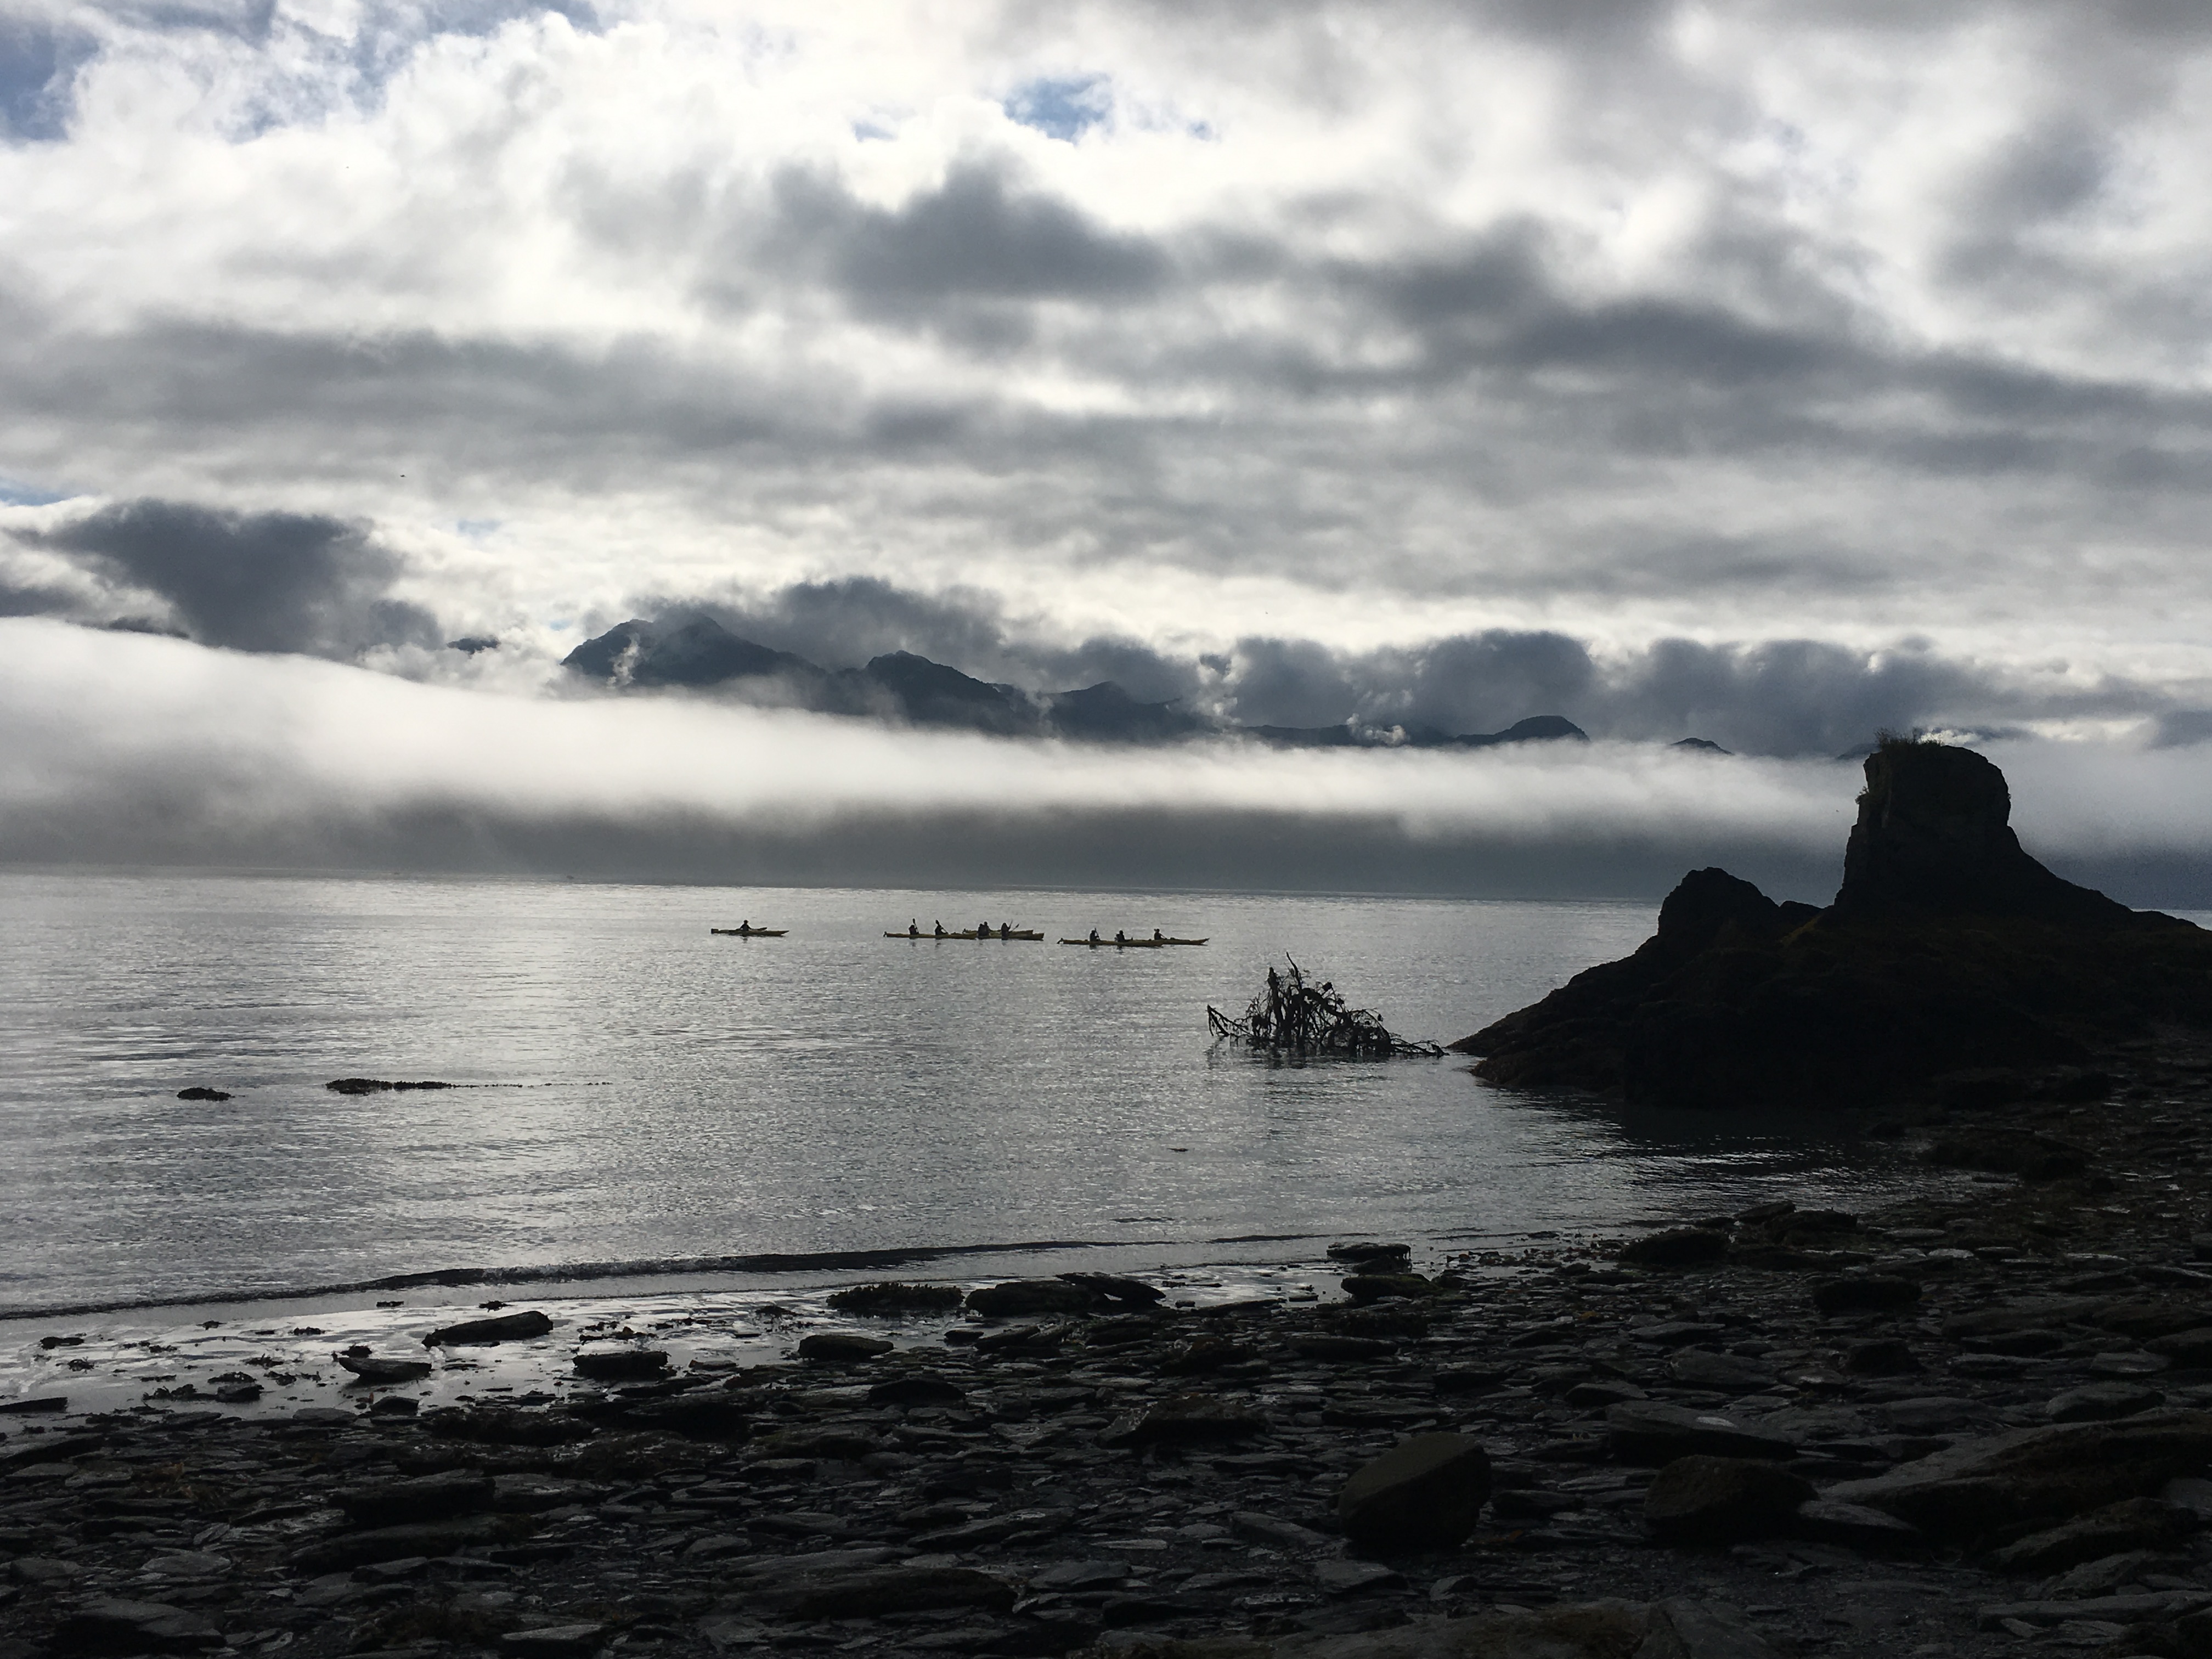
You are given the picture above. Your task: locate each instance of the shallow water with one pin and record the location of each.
(643, 1091)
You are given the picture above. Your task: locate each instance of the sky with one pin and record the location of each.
(1762, 372)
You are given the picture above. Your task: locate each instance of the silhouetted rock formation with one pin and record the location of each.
(1704, 744)
(1934, 837)
(1948, 947)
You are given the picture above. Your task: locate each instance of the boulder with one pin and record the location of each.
(554, 1641)
(200, 1092)
(1882, 1356)
(1677, 1246)
(1649, 1432)
(841, 1348)
(1372, 1256)
(1019, 1298)
(482, 1333)
(2189, 1348)
(105, 1625)
(1425, 1493)
(1722, 1500)
(887, 1299)
(1978, 1486)
(1856, 1527)
(621, 1365)
(1366, 1287)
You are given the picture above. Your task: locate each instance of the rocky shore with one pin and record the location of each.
(1979, 1421)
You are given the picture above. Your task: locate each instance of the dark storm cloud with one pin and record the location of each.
(252, 581)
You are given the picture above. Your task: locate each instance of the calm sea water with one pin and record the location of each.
(650, 1091)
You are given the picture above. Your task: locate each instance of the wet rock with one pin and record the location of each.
(377, 1086)
(2102, 1402)
(621, 1365)
(1273, 1529)
(2146, 1322)
(198, 1092)
(427, 1498)
(385, 1372)
(105, 1625)
(1709, 1500)
(1726, 1372)
(892, 1298)
(1978, 1487)
(1676, 1247)
(841, 1348)
(1117, 1289)
(1021, 1298)
(501, 1425)
(2009, 1152)
(1369, 1255)
(1366, 1287)
(1184, 1419)
(1426, 1493)
(2133, 1523)
(37, 1405)
(1202, 1354)
(528, 1494)
(1868, 1293)
(1652, 1432)
(478, 1332)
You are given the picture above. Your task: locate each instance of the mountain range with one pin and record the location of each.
(700, 653)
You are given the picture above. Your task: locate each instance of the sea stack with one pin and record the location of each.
(1948, 947)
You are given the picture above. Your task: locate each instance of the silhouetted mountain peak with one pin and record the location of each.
(1106, 712)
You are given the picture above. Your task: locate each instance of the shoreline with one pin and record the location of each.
(1121, 1480)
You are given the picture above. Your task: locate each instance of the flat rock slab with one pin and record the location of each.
(1183, 1419)
(481, 1333)
(2133, 1523)
(361, 1549)
(1976, 1487)
(1019, 1298)
(109, 1626)
(1648, 1431)
(370, 1368)
(2115, 1609)
(555, 1641)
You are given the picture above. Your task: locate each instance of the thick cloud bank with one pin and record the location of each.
(141, 749)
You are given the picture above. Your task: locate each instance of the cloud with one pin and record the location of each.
(146, 749)
(255, 582)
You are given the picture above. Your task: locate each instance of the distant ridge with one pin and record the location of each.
(698, 652)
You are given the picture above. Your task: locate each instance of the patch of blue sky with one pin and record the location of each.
(15, 493)
(1063, 108)
(476, 528)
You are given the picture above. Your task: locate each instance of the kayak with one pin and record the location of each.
(1131, 944)
(970, 934)
(751, 933)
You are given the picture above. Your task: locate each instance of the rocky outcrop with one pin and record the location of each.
(1948, 947)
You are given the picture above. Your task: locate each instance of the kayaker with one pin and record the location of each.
(746, 925)
(1158, 935)
(940, 928)
(1119, 937)
(1094, 936)
(912, 928)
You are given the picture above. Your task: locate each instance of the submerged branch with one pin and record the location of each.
(1292, 1015)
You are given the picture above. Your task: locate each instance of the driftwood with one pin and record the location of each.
(1293, 1015)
